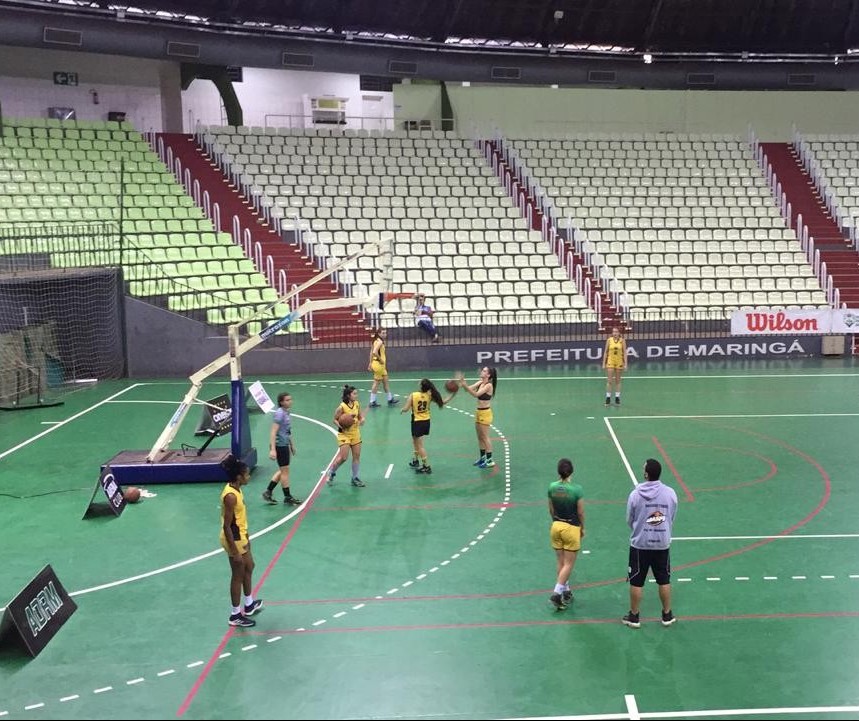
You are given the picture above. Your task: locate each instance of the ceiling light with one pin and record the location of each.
(648, 58)
(559, 15)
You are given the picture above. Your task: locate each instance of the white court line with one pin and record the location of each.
(388, 472)
(631, 707)
(693, 714)
(620, 451)
(740, 415)
(531, 379)
(201, 557)
(60, 424)
(768, 538)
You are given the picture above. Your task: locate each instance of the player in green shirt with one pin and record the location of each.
(567, 511)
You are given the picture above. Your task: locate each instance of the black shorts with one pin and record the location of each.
(420, 428)
(643, 560)
(282, 455)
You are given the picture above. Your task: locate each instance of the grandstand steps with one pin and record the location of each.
(842, 261)
(342, 325)
(611, 315)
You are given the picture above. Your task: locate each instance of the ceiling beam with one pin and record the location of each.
(652, 22)
(449, 17)
(848, 39)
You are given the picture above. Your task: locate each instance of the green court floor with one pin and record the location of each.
(427, 596)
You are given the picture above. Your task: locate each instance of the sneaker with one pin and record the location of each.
(557, 601)
(617, 400)
(489, 463)
(292, 501)
(424, 469)
(393, 401)
(608, 401)
(253, 608)
(632, 620)
(415, 464)
(358, 483)
(266, 496)
(668, 618)
(330, 481)
(567, 596)
(479, 462)
(239, 620)
(374, 404)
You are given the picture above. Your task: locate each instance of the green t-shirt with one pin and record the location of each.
(565, 497)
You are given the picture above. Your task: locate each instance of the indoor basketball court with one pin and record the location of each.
(427, 595)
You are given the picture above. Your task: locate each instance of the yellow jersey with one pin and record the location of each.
(354, 410)
(614, 352)
(239, 526)
(421, 406)
(380, 355)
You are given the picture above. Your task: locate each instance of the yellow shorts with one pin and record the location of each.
(379, 371)
(241, 544)
(483, 416)
(351, 438)
(616, 366)
(565, 536)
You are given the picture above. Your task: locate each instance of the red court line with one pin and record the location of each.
(198, 683)
(614, 620)
(670, 464)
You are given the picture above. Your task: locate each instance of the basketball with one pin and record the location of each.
(131, 494)
(347, 420)
(452, 385)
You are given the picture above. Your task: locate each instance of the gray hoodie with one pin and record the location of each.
(650, 513)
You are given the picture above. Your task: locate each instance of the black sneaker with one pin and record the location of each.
(415, 463)
(557, 601)
(668, 618)
(292, 501)
(358, 483)
(632, 620)
(567, 596)
(617, 400)
(374, 404)
(608, 401)
(266, 496)
(239, 620)
(330, 481)
(253, 608)
(424, 469)
(393, 401)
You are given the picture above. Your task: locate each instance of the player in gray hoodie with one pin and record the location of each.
(650, 512)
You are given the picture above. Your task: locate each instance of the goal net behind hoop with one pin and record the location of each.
(60, 328)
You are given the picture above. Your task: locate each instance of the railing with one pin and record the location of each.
(511, 327)
(806, 240)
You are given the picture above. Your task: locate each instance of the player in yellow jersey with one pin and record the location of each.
(237, 544)
(419, 404)
(614, 362)
(379, 366)
(348, 436)
(484, 391)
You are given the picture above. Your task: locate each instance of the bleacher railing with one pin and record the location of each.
(527, 194)
(806, 240)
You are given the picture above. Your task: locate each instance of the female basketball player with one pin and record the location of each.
(419, 404)
(281, 449)
(349, 435)
(378, 366)
(484, 390)
(237, 544)
(614, 362)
